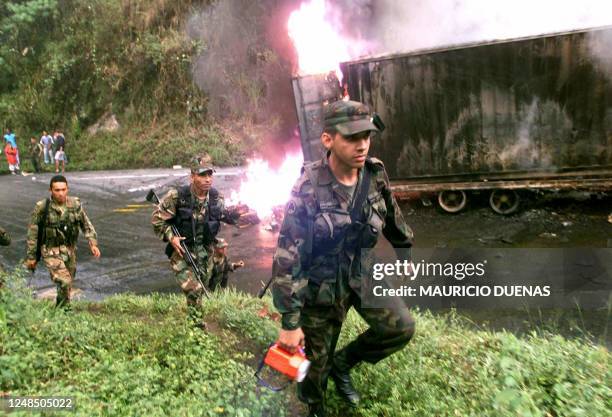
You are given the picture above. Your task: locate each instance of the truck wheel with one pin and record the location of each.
(452, 201)
(504, 201)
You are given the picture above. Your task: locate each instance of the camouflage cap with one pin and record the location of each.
(349, 117)
(220, 243)
(202, 164)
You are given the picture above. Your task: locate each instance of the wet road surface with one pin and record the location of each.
(133, 258)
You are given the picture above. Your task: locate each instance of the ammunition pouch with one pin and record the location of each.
(366, 235)
(211, 228)
(61, 234)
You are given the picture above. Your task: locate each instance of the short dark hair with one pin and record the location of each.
(57, 178)
(330, 130)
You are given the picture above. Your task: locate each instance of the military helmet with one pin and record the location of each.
(220, 243)
(202, 164)
(349, 117)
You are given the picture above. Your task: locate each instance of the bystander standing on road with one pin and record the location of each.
(9, 137)
(60, 154)
(47, 142)
(11, 158)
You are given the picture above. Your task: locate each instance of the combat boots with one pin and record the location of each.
(316, 410)
(340, 373)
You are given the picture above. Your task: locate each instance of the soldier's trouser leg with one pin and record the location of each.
(189, 284)
(390, 330)
(61, 263)
(213, 283)
(35, 163)
(321, 327)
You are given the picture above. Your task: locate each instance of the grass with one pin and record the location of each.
(135, 355)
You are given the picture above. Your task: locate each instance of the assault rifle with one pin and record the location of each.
(188, 256)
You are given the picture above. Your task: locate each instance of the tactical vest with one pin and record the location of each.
(198, 232)
(62, 231)
(335, 232)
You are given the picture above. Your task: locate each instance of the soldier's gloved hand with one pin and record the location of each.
(176, 244)
(290, 340)
(30, 264)
(238, 264)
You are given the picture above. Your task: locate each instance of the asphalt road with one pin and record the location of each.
(133, 258)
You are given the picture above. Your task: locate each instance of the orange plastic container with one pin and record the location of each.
(293, 365)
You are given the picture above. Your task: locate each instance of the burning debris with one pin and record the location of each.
(246, 216)
(264, 192)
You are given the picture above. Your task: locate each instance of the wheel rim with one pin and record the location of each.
(452, 201)
(504, 201)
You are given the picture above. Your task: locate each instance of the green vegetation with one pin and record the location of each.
(69, 64)
(135, 355)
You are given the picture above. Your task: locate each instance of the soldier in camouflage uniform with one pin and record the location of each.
(317, 261)
(221, 266)
(197, 210)
(65, 216)
(5, 240)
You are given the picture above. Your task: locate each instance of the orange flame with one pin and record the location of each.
(319, 46)
(266, 188)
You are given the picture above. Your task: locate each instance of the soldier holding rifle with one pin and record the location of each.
(195, 211)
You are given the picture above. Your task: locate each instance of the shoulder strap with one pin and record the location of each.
(184, 196)
(362, 193)
(213, 196)
(46, 212)
(185, 200)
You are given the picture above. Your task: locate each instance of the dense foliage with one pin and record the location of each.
(66, 62)
(70, 64)
(135, 355)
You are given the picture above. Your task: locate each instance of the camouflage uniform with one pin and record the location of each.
(58, 250)
(201, 245)
(5, 240)
(221, 268)
(36, 150)
(317, 270)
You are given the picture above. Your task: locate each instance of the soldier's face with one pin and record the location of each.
(202, 182)
(220, 251)
(59, 192)
(351, 151)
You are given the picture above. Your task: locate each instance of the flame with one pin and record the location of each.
(319, 47)
(265, 188)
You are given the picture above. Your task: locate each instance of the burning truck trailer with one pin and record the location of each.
(498, 117)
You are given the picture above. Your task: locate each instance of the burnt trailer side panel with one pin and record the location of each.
(311, 93)
(537, 105)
